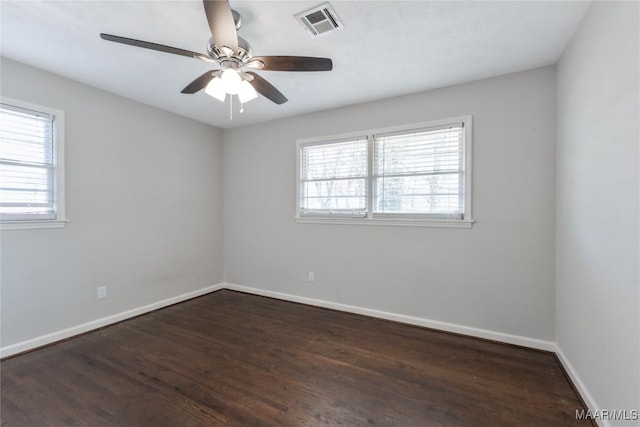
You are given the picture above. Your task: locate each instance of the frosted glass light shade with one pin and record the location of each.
(216, 89)
(246, 92)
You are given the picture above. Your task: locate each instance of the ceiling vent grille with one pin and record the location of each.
(320, 20)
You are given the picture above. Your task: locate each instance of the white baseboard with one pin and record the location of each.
(581, 388)
(99, 323)
(419, 321)
(412, 320)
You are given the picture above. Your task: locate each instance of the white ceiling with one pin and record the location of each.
(387, 48)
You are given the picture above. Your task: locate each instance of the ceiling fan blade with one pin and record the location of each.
(266, 89)
(293, 63)
(221, 23)
(155, 46)
(199, 83)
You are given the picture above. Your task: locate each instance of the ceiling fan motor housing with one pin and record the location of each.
(216, 52)
(237, 19)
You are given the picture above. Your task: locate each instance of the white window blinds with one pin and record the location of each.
(27, 164)
(333, 178)
(420, 172)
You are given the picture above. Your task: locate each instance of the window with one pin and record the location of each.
(414, 175)
(31, 166)
(334, 178)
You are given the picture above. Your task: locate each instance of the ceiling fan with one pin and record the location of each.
(234, 56)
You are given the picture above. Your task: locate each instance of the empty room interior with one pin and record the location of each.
(350, 213)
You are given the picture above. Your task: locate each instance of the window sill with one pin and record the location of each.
(32, 224)
(457, 223)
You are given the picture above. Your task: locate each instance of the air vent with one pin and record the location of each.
(320, 20)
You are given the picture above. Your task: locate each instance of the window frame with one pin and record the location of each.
(396, 219)
(58, 133)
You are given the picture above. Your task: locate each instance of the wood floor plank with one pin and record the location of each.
(229, 358)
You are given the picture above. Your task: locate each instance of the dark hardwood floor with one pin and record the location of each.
(229, 358)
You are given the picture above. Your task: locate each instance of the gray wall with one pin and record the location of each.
(496, 276)
(144, 194)
(597, 299)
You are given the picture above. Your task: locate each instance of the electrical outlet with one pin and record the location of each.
(102, 292)
(311, 278)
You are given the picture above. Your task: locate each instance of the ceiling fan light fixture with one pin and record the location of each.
(216, 88)
(246, 92)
